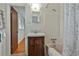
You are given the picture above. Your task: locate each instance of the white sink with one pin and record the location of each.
(35, 34)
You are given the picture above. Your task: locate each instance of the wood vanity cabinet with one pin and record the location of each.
(36, 46)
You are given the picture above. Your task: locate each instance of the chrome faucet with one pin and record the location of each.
(54, 42)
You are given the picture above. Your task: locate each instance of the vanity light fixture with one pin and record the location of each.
(35, 7)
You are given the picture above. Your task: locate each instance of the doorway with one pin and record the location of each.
(17, 30)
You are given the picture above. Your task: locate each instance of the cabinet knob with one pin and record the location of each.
(33, 46)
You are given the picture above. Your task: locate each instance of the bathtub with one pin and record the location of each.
(51, 51)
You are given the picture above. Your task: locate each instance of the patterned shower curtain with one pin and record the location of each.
(71, 30)
(76, 50)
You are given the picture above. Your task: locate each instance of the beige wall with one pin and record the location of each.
(54, 23)
(51, 23)
(3, 30)
(31, 26)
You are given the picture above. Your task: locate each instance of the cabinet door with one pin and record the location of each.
(31, 46)
(39, 46)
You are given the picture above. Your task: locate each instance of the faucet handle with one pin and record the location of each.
(54, 40)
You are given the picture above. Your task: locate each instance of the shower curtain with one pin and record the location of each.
(71, 30)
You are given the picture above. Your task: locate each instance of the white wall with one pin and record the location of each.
(27, 22)
(54, 24)
(2, 46)
(51, 23)
(3, 50)
(31, 26)
(52, 20)
(35, 26)
(21, 24)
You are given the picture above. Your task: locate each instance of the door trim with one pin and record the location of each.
(1, 41)
(14, 29)
(8, 28)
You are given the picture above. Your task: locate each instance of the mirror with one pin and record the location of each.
(36, 17)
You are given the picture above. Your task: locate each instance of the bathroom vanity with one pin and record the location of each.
(36, 44)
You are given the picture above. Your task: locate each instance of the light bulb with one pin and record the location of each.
(35, 7)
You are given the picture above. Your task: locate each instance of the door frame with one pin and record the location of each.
(1, 44)
(8, 28)
(13, 13)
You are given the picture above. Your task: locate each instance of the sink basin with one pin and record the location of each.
(36, 34)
